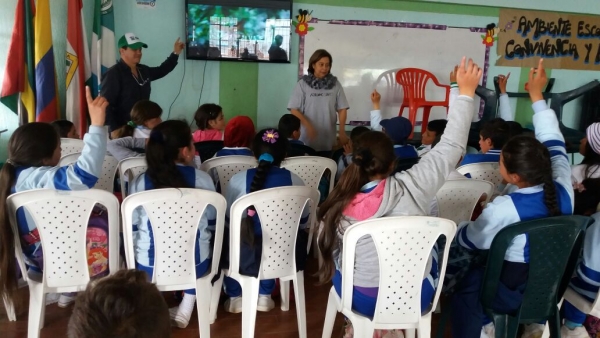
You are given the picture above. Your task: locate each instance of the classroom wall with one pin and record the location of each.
(261, 91)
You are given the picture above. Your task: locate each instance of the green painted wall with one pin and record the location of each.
(238, 92)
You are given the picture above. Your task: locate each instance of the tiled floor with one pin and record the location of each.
(268, 325)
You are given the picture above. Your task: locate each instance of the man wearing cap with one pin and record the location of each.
(128, 81)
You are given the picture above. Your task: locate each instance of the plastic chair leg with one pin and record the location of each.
(37, 303)
(412, 117)
(425, 326)
(203, 303)
(249, 303)
(554, 325)
(500, 326)
(513, 327)
(10, 310)
(330, 314)
(410, 333)
(284, 290)
(214, 298)
(426, 112)
(300, 303)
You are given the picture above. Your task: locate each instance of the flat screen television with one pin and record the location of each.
(239, 30)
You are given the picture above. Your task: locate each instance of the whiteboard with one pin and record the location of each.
(364, 51)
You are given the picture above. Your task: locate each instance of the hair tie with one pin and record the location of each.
(251, 213)
(131, 124)
(266, 157)
(270, 136)
(11, 162)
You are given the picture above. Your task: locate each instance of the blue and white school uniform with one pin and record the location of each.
(405, 151)
(292, 141)
(239, 185)
(143, 239)
(81, 175)
(493, 155)
(343, 163)
(141, 132)
(230, 151)
(520, 205)
(587, 276)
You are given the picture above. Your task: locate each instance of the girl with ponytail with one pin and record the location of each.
(269, 147)
(170, 156)
(366, 190)
(539, 172)
(145, 115)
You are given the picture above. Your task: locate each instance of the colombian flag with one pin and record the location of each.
(19, 73)
(46, 108)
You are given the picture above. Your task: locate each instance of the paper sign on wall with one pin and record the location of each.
(146, 3)
(565, 41)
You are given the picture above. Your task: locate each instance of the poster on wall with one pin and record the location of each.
(565, 41)
(151, 4)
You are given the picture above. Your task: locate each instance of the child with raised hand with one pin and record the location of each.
(145, 115)
(65, 129)
(346, 158)
(210, 122)
(33, 156)
(239, 133)
(366, 190)
(269, 147)
(540, 169)
(170, 156)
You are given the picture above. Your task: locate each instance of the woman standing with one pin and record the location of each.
(317, 98)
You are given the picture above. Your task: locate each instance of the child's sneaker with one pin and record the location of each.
(265, 303)
(578, 332)
(533, 331)
(66, 299)
(180, 316)
(234, 304)
(52, 298)
(488, 331)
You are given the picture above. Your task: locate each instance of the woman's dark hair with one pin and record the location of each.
(372, 155)
(63, 127)
(205, 113)
(29, 146)
(530, 159)
(141, 112)
(271, 142)
(162, 153)
(318, 55)
(124, 305)
(497, 130)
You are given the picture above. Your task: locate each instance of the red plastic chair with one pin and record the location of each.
(413, 82)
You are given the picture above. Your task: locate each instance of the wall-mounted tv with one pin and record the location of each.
(239, 30)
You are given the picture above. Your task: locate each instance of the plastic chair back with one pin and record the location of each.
(226, 167)
(70, 146)
(279, 210)
(311, 169)
(174, 215)
(554, 247)
(392, 94)
(129, 168)
(296, 149)
(404, 246)
(208, 149)
(458, 198)
(486, 171)
(106, 181)
(62, 219)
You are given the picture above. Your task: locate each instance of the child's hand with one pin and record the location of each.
(468, 77)
(453, 74)
(502, 80)
(348, 148)
(96, 108)
(537, 82)
(376, 99)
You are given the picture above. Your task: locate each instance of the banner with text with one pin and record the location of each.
(565, 41)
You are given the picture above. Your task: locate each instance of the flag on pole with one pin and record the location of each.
(19, 74)
(104, 54)
(78, 66)
(45, 73)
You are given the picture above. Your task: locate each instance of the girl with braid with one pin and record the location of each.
(170, 156)
(269, 147)
(540, 170)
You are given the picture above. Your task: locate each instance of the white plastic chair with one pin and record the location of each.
(128, 169)
(403, 245)
(61, 218)
(106, 180)
(70, 145)
(458, 198)
(279, 210)
(226, 167)
(174, 215)
(487, 171)
(393, 90)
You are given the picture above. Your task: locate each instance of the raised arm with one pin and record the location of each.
(506, 113)
(425, 178)
(376, 112)
(122, 148)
